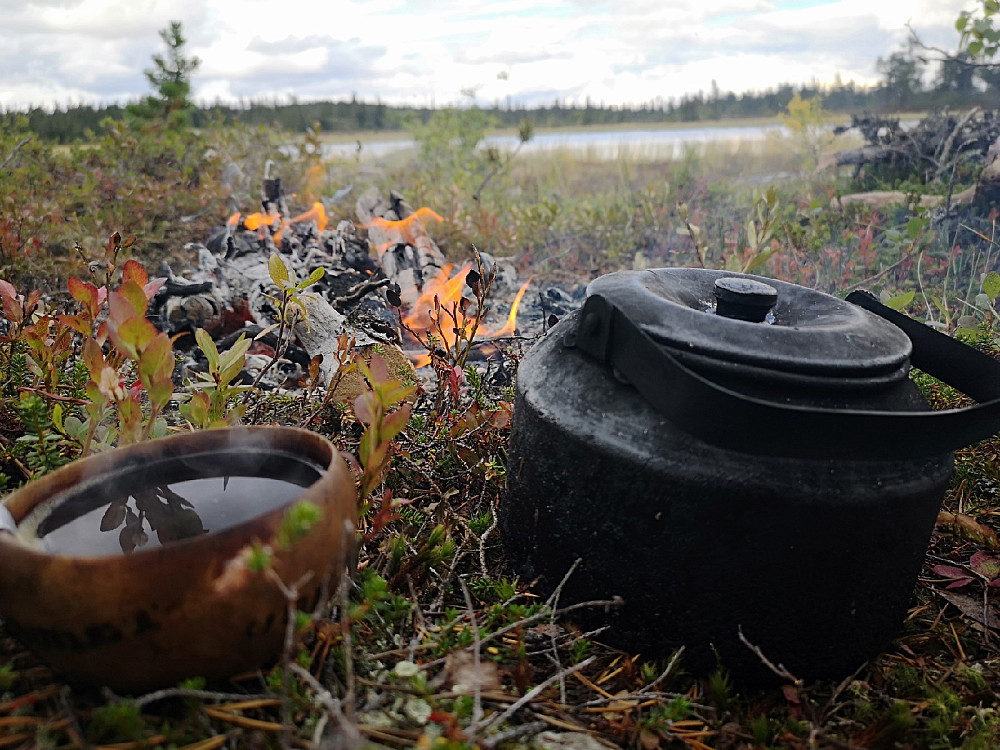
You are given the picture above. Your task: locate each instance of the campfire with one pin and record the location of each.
(385, 281)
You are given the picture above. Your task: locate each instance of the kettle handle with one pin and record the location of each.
(728, 419)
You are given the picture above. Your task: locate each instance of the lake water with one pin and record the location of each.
(660, 143)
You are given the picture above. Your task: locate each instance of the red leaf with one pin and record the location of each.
(133, 293)
(84, 293)
(151, 288)
(12, 309)
(985, 565)
(950, 571)
(364, 407)
(133, 271)
(120, 308)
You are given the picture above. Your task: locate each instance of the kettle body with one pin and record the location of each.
(810, 558)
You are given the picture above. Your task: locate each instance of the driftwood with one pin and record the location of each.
(933, 150)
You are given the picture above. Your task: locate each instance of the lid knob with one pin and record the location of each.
(744, 299)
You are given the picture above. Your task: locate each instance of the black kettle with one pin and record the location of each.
(736, 456)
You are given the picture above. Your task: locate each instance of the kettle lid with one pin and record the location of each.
(751, 320)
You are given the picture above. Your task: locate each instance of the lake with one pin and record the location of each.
(650, 143)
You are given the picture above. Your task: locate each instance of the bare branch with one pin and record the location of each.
(13, 153)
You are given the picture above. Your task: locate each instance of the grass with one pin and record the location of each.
(434, 644)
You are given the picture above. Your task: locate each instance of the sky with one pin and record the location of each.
(440, 52)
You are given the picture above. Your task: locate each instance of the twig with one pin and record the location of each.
(883, 272)
(73, 730)
(482, 541)
(524, 622)
(345, 635)
(496, 168)
(640, 696)
(666, 672)
(291, 594)
(522, 730)
(204, 695)
(53, 396)
(13, 153)
(349, 732)
(534, 692)
(358, 291)
(950, 140)
(778, 669)
(554, 605)
(948, 56)
(477, 694)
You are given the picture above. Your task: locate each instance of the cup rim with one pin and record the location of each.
(317, 448)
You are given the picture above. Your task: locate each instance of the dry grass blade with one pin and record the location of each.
(244, 721)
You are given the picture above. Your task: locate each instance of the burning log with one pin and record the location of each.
(406, 253)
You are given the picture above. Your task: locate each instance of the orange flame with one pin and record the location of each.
(511, 325)
(234, 220)
(317, 213)
(314, 180)
(448, 290)
(406, 230)
(257, 220)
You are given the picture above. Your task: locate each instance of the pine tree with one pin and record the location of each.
(171, 79)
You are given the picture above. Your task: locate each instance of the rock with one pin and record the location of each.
(550, 740)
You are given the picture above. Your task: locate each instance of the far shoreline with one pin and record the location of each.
(337, 138)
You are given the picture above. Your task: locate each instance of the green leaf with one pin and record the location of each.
(315, 276)
(975, 47)
(752, 234)
(761, 258)
(57, 418)
(915, 226)
(74, 428)
(900, 301)
(160, 392)
(968, 323)
(136, 295)
(961, 22)
(234, 359)
(196, 410)
(208, 347)
(156, 364)
(138, 333)
(278, 270)
(230, 372)
(991, 285)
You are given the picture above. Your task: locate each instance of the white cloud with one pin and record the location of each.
(419, 51)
